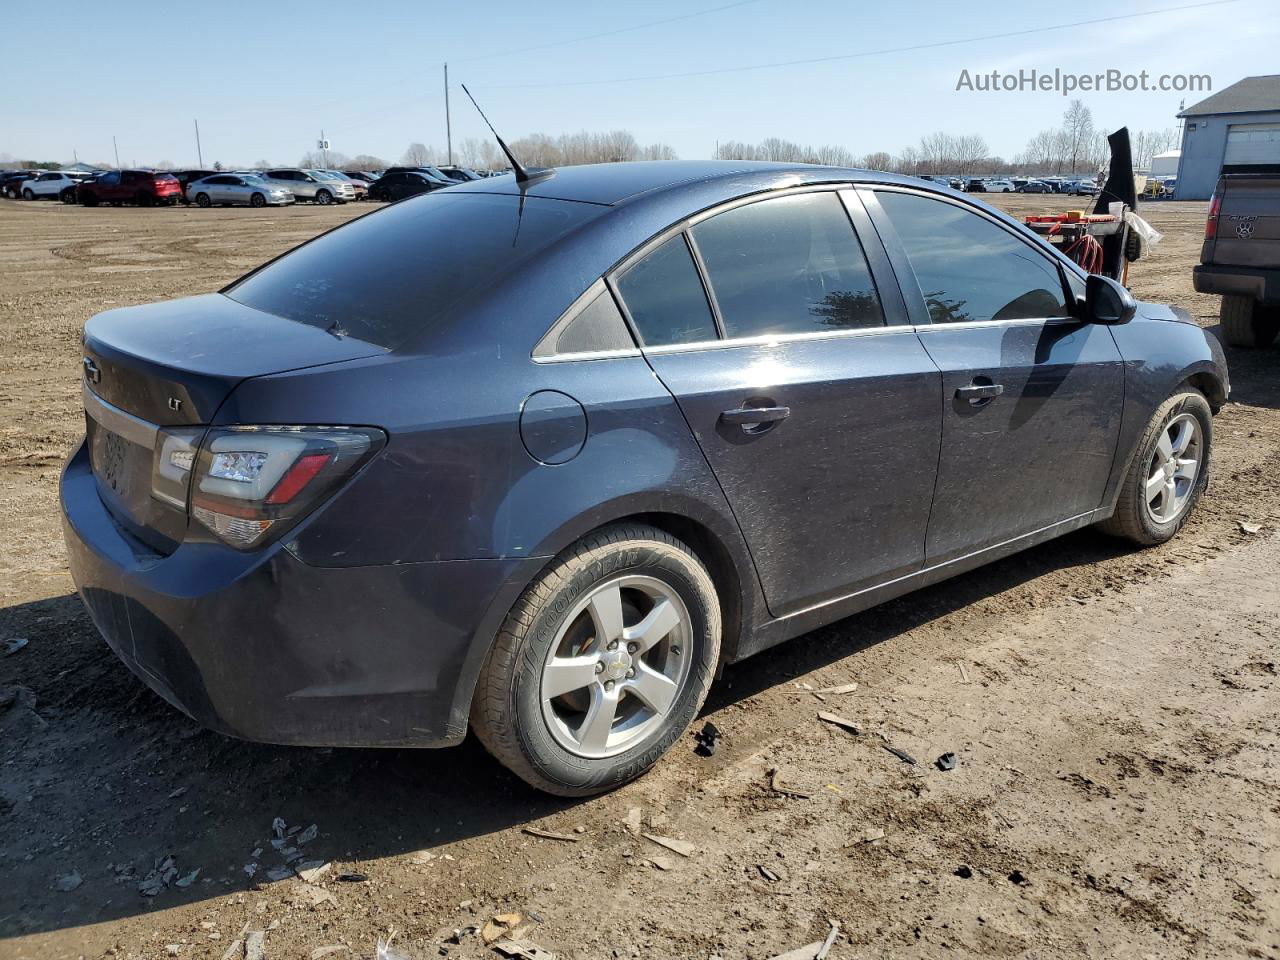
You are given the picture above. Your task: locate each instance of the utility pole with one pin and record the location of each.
(448, 128)
(116, 149)
(324, 152)
(199, 152)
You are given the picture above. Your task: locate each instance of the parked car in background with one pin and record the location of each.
(310, 185)
(1240, 258)
(428, 171)
(397, 186)
(461, 174)
(999, 186)
(143, 187)
(235, 189)
(54, 185)
(364, 175)
(1035, 186)
(11, 182)
(187, 177)
(1082, 188)
(975, 185)
(360, 187)
(508, 456)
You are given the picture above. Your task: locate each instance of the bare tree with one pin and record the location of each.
(877, 161)
(418, 155)
(1077, 129)
(367, 161)
(320, 160)
(970, 150)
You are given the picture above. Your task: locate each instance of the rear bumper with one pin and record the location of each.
(265, 647)
(1261, 284)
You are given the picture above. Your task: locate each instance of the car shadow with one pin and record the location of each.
(1255, 374)
(101, 777)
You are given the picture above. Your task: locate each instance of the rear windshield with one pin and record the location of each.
(388, 276)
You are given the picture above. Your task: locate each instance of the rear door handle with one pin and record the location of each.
(980, 391)
(752, 416)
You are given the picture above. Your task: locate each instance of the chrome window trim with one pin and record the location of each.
(1012, 322)
(778, 339)
(544, 350)
(134, 429)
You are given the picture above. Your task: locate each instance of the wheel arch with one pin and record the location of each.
(736, 587)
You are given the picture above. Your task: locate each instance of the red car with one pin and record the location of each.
(143, 187)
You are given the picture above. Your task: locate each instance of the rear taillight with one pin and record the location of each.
(1211, 224)
(248, 485)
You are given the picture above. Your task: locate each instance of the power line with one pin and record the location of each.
(606, 33)
(861, 53)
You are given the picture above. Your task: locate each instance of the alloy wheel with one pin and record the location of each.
(616, 667)
(1173, 469)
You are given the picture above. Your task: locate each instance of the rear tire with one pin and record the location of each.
(68, 196)
(1136, 518)
(562, 621)
(1245, 323)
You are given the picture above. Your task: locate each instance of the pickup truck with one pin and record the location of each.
(1240, 258)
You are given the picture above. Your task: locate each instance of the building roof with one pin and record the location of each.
(1167, 154)
(1250, 95)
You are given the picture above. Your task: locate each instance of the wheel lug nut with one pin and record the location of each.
(632, 647)
(630, 674)
(608, 684)
(599, 668)
(613, 644)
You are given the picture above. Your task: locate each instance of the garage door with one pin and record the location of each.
(1252, 143)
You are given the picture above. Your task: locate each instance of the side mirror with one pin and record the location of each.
(1106, 301)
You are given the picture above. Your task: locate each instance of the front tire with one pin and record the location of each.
(257, 200)
(324, 198)
(202, 200)
(602, 663)
(1245, 323)
(1168, 473)
(28, 194)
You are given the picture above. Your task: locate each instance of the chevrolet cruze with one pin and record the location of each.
(538, 458)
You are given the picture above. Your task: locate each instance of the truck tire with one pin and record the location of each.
(1245, 323)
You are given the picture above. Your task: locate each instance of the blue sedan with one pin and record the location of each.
(538, 457)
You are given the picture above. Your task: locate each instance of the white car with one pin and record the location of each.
(1000, 186)
(232, 189)
(54, 185)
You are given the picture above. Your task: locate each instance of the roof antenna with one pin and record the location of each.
(522, 175)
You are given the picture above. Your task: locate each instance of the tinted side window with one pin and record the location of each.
(788, 265)
(665, 298)
(969, 268)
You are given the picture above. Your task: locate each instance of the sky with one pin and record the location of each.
(263, 85)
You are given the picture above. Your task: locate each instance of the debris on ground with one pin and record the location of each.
(307, 835)
(682, 847)
(767, 873)
(175, 794)
(313, 896)
(708, 740)
(68, 881)
(964, 871)
(276, 874)
(187, 879)
(899, 753)
(255, 945)
(14, 644)
(634, 822)
(551, 835)
(313, 870)
(946, 762)
(525, 949)
(838, 721)
(499, 927)
(1017, 878)
(162, 874)
(1250, 528)
(235, 951)
(319, 953)
(964, 674)
(872, 834)
(817, 950)
(837, 691)
(778, 786)
(665, 864)
(352, 877)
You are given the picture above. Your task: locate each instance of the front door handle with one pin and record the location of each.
(754, 416)
(980, 391)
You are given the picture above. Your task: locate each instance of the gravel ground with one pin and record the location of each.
(1114, 715)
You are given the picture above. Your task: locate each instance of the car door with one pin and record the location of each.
(781, 334)
(1031, 396)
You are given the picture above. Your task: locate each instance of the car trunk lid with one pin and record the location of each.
(160, 370)
(1248, 222)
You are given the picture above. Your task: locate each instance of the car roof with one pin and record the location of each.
(616, 183)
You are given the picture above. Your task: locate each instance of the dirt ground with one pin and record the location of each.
(1115, 715)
